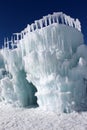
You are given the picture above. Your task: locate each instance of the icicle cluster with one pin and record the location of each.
(48, 67)
(56, 17)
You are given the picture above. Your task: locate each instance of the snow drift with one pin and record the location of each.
(46, 64)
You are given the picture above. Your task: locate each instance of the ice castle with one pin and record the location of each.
(45, 64)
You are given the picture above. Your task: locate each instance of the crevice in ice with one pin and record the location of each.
(25, 91)
(17, 91)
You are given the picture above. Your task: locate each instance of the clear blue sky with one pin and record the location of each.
(16, 14)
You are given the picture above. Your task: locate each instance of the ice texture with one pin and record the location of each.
(47, 60)
(15, 88)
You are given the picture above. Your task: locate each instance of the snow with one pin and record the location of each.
(36, 119)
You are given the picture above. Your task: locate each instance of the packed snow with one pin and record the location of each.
(37, 119)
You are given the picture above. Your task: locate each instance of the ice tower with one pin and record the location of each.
(47, 60)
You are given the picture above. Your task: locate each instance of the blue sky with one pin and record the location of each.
(16, 14)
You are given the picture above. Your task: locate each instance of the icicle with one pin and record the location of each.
(57, 19)
(71, 22)
(12, 45)
(14, 40)
(28, 28)
(5, 43)
(49, 19)
(53, 18)
(74, 24)
(65, 19)
(62, 20)
(45, 19)
(41, 24)
(78, 26)
(17, 37)
(32, 27)
(68, 23)
(22, 34)
(36, 24)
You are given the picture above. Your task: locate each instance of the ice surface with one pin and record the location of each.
(49, 62)
(15, 87)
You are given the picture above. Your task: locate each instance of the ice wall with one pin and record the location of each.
(54, 65)
(49, 61)
(15, 88)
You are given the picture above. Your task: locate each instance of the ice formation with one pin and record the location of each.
(47, 60)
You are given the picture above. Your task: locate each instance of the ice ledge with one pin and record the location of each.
(56, 17)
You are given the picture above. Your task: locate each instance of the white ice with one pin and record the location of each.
(48, 66)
